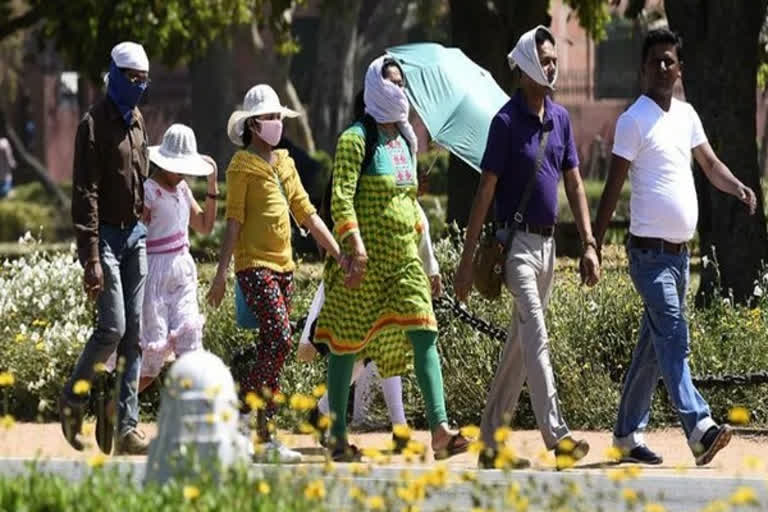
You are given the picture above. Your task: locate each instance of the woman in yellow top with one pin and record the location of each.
(263, 191)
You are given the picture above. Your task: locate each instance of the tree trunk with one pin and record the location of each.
(212, 95)
(333, 86)
(486, 32)
(719, 77)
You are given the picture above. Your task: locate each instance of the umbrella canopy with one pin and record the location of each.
(455, 98)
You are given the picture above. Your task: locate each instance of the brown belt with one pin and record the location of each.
(658, 244)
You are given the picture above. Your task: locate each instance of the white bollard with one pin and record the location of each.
(197, 422)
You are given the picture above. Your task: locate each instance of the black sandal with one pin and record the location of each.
(452, 448)
(346, 453)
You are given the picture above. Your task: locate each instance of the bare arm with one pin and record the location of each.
(577, 199)
(483, 197)
(721, 176)
(201, 220)
(320, 233)
(589, 266)
(617, 175)
(218, 286)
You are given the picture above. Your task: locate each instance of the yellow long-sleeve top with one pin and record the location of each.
(259, 196)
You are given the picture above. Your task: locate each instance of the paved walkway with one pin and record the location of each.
(745, 456)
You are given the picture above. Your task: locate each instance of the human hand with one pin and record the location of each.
(747, 196)
(589, 267)
(462, 283)
(93, 279)
(216, 291)
(436, 283)
(357, 268)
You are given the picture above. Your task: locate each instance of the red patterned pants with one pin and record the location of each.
(268, 295)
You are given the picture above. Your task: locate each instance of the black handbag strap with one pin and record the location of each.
(521, 207)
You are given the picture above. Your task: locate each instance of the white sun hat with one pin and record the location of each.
(178, 153)
(260, 99)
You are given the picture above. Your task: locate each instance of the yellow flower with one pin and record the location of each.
(212, 391)
(81, 387)
(306, 428)
(20, 338)
(744, 496)
(401, 431)
(264, 487)
(502, 434)
(7, 421)
(254, 401)
(324, 422)
(416, 447)
(438, 477)
(753, 463)
(87, 429)
(564, 461)
(319, 391)
(617, 475)
(186, 383)
(99, 368)
(613, 453)
(716, 506)
(358, 469)
(6, 379)
(191, 492)
(356, 493)
(97, 461)
(633, 471)
(375, 503)
(226, 415)
(629, 495)
(655, 507)
(300, 402)
(738, 416)
(566, 445)
(475, 447)
(210, 418)
(40, 346)
(279, 398)
(470, 431)
(315, 490)
(371, 453)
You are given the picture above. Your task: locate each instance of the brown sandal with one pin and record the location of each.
(454, 447)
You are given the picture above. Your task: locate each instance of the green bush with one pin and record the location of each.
(18, 217)
(45, 319)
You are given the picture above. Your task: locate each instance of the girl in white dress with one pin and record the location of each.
(172, 323)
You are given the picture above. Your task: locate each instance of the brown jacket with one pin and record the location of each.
(111, 164)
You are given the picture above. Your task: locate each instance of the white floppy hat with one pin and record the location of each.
(178, 153)
(260, 99)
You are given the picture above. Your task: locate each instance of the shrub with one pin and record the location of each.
(45, 319)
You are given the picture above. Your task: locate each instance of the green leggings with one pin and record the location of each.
(428, 374)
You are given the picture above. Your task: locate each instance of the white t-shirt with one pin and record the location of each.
(658, 143)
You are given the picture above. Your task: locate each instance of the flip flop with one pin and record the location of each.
(452, 448)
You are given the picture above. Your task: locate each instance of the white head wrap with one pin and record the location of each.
(131, 56)
(526, 55)
(386, 102)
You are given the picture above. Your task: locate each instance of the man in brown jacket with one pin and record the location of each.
(111, 164)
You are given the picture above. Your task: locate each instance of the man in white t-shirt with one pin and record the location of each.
(653, 144)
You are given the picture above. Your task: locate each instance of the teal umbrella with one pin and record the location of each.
(455, 97)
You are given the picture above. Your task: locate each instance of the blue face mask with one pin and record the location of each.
(125, 94)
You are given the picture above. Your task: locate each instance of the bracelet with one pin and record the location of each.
(212, 196)
(591, 242)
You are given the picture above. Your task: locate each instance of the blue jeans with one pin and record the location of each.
(662, 350)
(124, 264)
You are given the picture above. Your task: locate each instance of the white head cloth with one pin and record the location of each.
(526, 56)
(386, 102)
(131, 56)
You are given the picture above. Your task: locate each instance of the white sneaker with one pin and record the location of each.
(276, 452)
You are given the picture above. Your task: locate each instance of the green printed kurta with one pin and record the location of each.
(394, 296)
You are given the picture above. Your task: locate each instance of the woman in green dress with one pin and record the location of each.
(386, 293)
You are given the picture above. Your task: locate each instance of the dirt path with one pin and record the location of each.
(745, 455)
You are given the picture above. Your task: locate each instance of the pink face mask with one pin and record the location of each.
(271, 131)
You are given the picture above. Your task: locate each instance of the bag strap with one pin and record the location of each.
(521, 207)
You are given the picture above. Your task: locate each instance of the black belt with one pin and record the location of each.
(123, 225)
(545, 230)
(659, 244)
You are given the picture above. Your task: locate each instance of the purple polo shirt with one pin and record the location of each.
(510, 153)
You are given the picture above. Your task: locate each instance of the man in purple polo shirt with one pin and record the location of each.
(509, 161)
